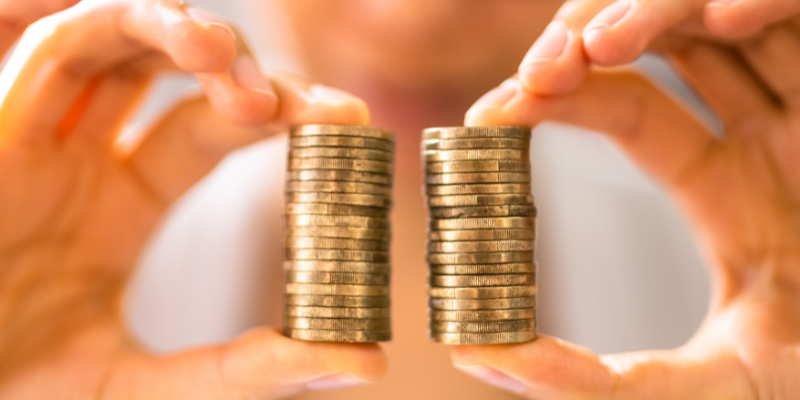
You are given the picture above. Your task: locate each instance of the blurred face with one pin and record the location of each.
(417, 46)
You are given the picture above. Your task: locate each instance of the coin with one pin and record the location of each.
(482, 154)
(347, 164)
(480, 200)
(336, 278)
(338, 336)
(484, 269)
(340, 255)
(482, 223)
(476, 143)
(334, 209)
(338, 175)
(338, 232)
(335, 312)
(338, 324)
(339, 141)
(490, 188)
(480, 247)
(337, 187)
(481, 258)
(477, 132)
(498, 292)
(453, 281)
(340, 152)
(366, 200)
(482, 304)
(451, 167)
(482, 327)
(310, 300)
(335, 243)
(478, 177)
(338, 266)
(483, 338)
(341, 130)
(483, 315)
(483, 211)
(350, 221)
(337, 290)
(482, 234)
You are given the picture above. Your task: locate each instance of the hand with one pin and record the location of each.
(76, 207)
(612, 33)
(742, 193)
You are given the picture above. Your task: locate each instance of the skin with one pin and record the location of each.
(77, 208)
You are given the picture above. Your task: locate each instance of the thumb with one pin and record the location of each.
(261, 364)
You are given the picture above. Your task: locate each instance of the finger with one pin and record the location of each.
(261, 364)
(654, 130)
(621, 32)
(742, 18)
(775, 56)
(192, 139)
(549, 368)
(50, 71)
(556, 63)
(16, 15)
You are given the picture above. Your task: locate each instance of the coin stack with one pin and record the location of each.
(481, 235)
(336, 258)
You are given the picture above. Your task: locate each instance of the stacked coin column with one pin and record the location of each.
(481, 235)
(336, 258)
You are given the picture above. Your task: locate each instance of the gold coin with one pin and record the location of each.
(335, 243)
(482, 223)
(337, 187)
(366, 200)
(499, 292)
(480, 247)
(490, 188)
(477, 132)
(483, 338)
(345, 278)
(476, 143)
(310, 300)
(341, 152)
(339, 176)
(333, 312)
(483, 154)
(482, 234)
(336, 290)
(452, 167)
(341, 130)
(335, 209)
(350, 221)
(340, 141)
(483, 315)
(484, 269)
(483, 212)
(338, 324)
(482, 304)
(482, 327)
(478, 177)
(338, 255)
(458, 281)
(346, 164)
(338, 232)
(481, 200)
(481, 258)
(338, 336)
(338, 266)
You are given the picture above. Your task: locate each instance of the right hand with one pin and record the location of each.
(76, 209)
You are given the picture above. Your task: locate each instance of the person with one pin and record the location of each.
(77, 209)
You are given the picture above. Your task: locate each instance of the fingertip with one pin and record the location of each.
(610, 47)
(200, 42)
(556, 77)
(302, 102)
(727, 20)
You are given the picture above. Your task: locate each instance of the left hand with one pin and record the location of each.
(741, 192)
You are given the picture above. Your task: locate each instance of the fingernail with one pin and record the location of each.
(494, 377)
(203, 16)
(247, 75)
(550, 44)
(336, 382)
(325, 94)
(609, 16)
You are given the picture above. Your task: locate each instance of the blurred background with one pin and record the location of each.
(618, 266)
